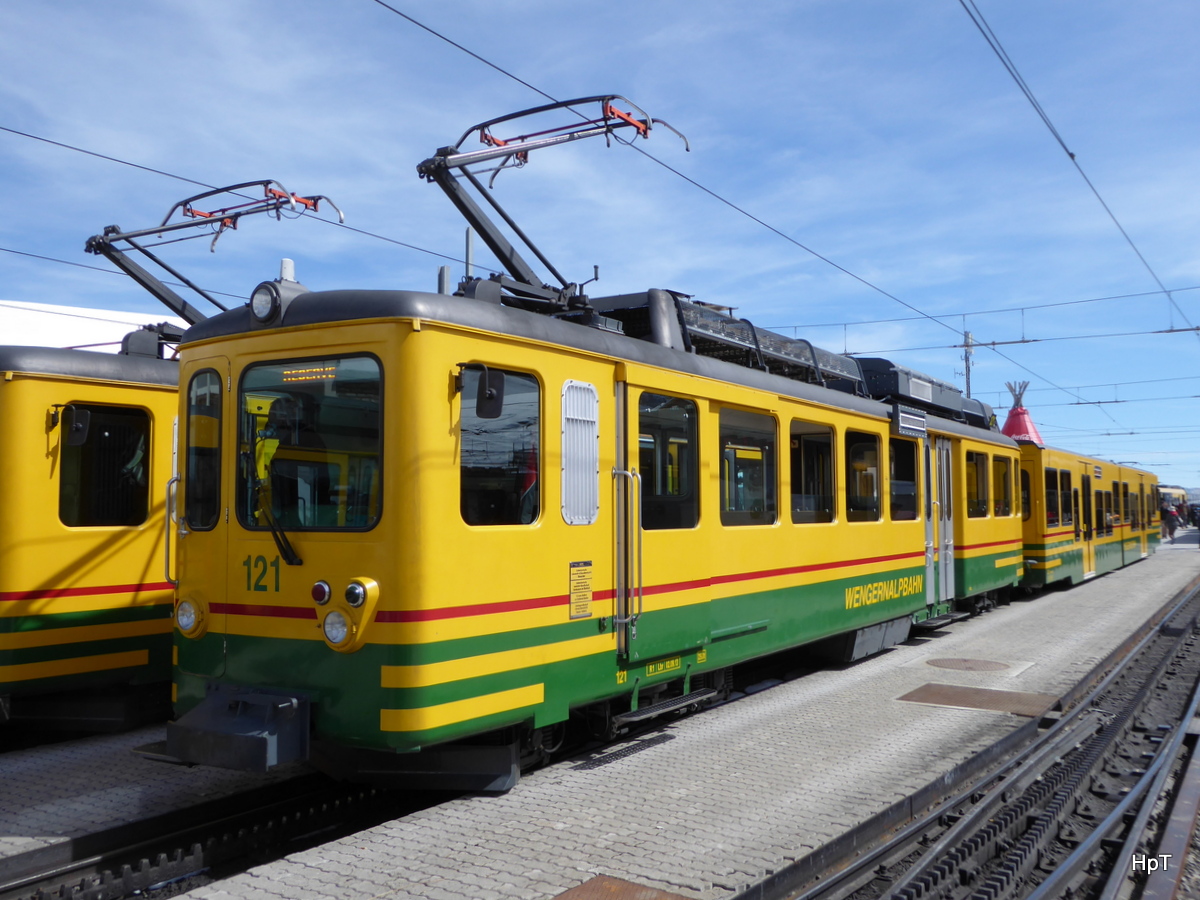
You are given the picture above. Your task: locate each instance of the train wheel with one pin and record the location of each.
(599, 720)
(541, 744)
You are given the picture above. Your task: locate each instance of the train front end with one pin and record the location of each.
(284, 552)
(314, 471)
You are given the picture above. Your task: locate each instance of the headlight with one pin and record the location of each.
(185, 616)
(356, 594)
(336, 627)
(264, 302)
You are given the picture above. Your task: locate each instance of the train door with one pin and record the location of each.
(662, 594)
(1084, 496)
(945, 521)
(1143, 518)
(201, 507)
(931, 591)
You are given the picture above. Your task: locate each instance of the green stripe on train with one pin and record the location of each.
(726, 630)
(977, 574)
(157, 644)
(83, 619)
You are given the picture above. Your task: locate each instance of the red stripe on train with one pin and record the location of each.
(456, 612)
(990, 544)
(56, 593)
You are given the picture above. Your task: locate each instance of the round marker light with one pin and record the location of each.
(264, 302)
(321, 593)
(336, 627)
(356, 594)
(185, 615)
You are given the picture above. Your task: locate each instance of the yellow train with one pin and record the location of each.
(85, 604)
(1083, 516)
(421, 534)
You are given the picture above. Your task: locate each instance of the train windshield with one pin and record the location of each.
(309, 438)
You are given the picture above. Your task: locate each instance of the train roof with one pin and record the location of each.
(327, 307)
(1085, 458)
(89, 364)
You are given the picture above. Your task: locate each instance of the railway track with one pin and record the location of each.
(145, 856)
(1096, 801)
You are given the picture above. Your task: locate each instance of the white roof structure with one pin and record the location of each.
(48, 325)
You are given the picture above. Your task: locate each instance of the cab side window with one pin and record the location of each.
(202, 473)
(500, 461)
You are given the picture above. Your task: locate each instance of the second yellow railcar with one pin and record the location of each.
(85, 602)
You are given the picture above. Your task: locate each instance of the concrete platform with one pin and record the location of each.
(713, 803)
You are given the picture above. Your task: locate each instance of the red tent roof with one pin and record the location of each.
(1019, 426)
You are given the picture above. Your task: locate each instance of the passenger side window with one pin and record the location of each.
(747, 468)
(812, 472)
(903, 458)
(977, 484)
(104, 477)
(1026, 504)
(862, 477)
(1052, 516)
(1002, 485)
(500, 462)
(667, 462)
(1069, 505)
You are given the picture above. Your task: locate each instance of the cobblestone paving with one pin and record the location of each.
(741, 791)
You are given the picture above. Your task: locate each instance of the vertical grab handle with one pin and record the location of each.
(170, 514)
(635, 482)
(929, 544)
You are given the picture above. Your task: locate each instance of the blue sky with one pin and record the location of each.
(886, 137)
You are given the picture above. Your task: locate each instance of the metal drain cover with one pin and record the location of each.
(969, 665)
(1019, 703)
(605, 887)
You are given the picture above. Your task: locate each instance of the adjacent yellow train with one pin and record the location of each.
(85, 606)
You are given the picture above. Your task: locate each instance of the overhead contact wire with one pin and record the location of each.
(165, 174)
(994, 42)
(726, 202)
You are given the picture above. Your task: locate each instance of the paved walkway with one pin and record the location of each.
(717, 801)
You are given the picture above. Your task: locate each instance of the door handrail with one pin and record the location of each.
(169, 510)
(635, 480)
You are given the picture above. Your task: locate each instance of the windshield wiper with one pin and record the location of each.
(277, 532)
